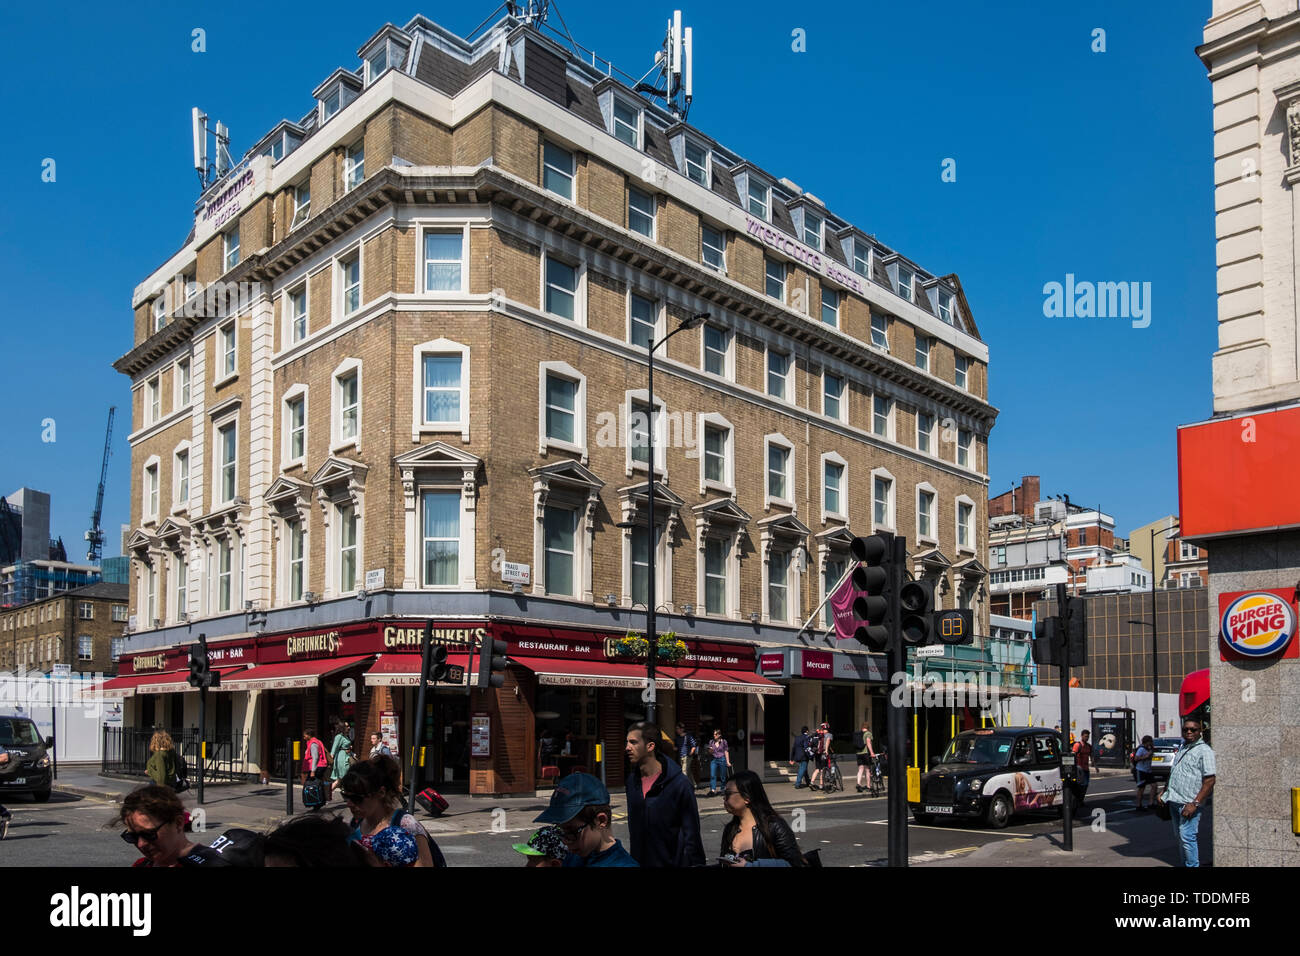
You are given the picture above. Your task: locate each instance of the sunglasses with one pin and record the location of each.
(1191, 730)
(149, 836)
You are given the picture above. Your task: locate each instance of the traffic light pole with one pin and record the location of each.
(1062, 648)
(897, 659)
(417, 739)
(203, 736)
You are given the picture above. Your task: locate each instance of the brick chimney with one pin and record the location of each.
(1028, 495)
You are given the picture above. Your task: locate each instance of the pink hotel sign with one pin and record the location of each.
(800, 253)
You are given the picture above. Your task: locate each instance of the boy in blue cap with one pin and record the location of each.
(580, 810)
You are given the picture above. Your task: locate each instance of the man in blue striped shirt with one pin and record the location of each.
(1190, 781)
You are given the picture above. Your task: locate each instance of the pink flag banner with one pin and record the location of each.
(842, 608)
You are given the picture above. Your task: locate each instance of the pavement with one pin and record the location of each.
(1115, 838)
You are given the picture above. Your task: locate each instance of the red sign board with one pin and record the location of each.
(1235, 474)
(527, 640)
(771, 663)
(1255, 625)
(817, 664)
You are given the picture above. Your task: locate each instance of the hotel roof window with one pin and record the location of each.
(386, 50)
(336, 93)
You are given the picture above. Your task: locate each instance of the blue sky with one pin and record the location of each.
(1096, 164)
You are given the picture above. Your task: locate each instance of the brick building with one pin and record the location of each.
(81, 628)
(441, 282)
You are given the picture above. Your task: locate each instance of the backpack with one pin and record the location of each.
(813, 747)
(182, 774)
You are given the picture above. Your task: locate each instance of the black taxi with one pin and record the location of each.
(992, 774)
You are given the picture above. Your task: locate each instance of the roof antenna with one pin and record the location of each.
(674, 64)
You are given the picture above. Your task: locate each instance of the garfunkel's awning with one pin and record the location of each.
(290, 674)
(403, 670)
(177, 682)
(726, 682)
(567, 673)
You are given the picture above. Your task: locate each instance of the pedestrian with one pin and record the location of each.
(1191, 778)
(1142, 766)
(821, 747)
(865, 756)
(5, 815)
(662, 819)
(312, 840)
(719, 763)
(161, 767)
(546, 847)
(580, 810)
(235, 847)
(377, 746)
(155, 821)
(1082, 751)
(373, 791)
(315, 759)
(755, 835)
(801, 753)
(340, 755)
(687, 747)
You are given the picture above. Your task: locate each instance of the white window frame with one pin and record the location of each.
(905, 290)
(884, 332)
(218, 427)
(791, 576)
(842, 398)
(831, 295)
(451, 492)
(227, 341)
(336, 547)
(151, 502)
(350, 166)
(652, 215)
(721, 249)
(946, 303)
(287, 562)
(728, 353)
(576, 556)
(923, 346)
(229, 245)
(731, 574)
(931, 437)
(956, 519)
(706, 168)
(788, 397)
(969, 449)
(769, 501)
(418, 425)
(889, 419)
(891, 504)
(854, 246)
(422, 258)
(831, 458)
(544, 442)
(961, 372)
(926, 488)
(579, 268)
(85, 648)
(222, 544)
(291, 318)
(341, 262)
(810, 237)
(300, 208)
(153, 400)
(159, 309)
(571, 174)
(181, 496)
(637, 127)
(659, 423)
(785, 276)
(728, 484)
(657, 309)
(296, 393)
(765, 205)
(337, 442)
(180, 587)
(182, 382)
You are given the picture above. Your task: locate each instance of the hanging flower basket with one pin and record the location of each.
(671, 649)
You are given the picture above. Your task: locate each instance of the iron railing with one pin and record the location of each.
(126, 751)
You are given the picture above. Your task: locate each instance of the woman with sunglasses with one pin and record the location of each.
(155, 821)
(373, 792)
(756, 835)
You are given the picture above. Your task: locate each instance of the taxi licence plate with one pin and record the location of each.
(930, 809)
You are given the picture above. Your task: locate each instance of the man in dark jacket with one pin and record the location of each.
(799, 755)
(662, 820)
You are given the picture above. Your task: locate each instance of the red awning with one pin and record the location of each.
(290, 674)
(578, 673)
(403, 670)
(176, 682)
(726, 682)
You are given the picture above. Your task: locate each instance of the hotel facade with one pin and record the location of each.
(404, 346)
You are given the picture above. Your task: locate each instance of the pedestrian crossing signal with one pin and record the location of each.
(954, 627)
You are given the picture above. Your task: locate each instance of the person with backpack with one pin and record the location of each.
(866, 754)
(373, 792)
(1082, 751)
(801, 753)
(821, 746)
(315, 763)
(687, 747)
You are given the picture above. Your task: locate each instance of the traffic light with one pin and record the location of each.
(952, 627)
(438, 666)
(198, 664)
(1045, 641)
(1076, 632)
(916, 602)
(875, 576)
(492, 661)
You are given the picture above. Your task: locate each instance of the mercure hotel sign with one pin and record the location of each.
(823, 265)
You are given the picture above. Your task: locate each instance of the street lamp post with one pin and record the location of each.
(1155, 632)
(652, 637)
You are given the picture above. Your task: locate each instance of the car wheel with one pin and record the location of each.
(923, 818)
(999, 812)
(41, 796)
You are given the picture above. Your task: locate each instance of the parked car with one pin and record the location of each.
(28, 768)
(993, 774)
(1162, 755)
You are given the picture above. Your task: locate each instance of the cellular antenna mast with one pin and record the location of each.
(673, 70)
(208, 167)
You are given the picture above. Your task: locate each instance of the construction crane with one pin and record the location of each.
(96, 535)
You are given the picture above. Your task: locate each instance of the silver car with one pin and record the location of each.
(1162, 755)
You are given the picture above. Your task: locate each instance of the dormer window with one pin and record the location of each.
(627, 124)
(336, 93)
(386, 51)
(812, 229)
(330, 105)
(697, 163)
(905, 283)
(861, 258)
(377, 64)
(945, 306)
(760, 200)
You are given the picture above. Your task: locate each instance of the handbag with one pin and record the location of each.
(1162, 809)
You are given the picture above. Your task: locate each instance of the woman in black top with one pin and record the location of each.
(756, 831)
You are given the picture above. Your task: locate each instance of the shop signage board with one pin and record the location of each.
(861, 667)
(515, 573)
(817, 664)
(389, 733)
(1256, 625)
(480, 736)
(565, 644)
(772, 663)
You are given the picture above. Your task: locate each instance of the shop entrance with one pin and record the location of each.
(282, 721)
(837, 710)
(776, 727)
(447, 727)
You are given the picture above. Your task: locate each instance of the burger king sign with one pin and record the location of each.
(1255, 624)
